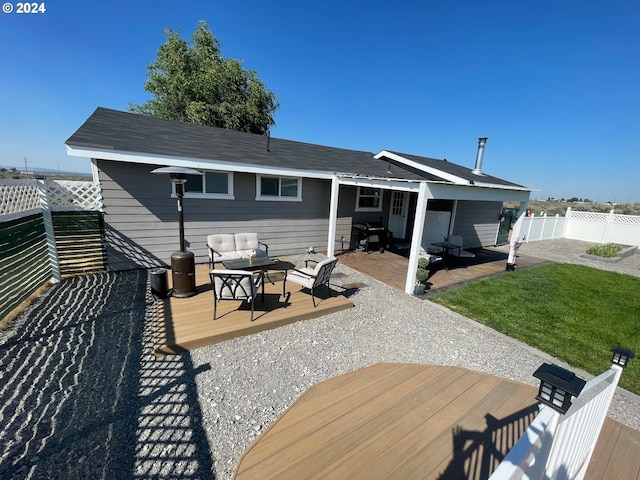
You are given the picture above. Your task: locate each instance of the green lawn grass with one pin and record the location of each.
(572, 312)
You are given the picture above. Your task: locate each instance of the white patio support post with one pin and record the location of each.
(49, 233)
(416, 239)
(517, 238)
(333, 216)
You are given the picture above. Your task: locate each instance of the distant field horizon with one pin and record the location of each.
(553, 207)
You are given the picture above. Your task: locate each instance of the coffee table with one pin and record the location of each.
(447, 247)
(257, 263)
(262, 263)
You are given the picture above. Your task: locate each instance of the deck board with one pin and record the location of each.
(398, 419)
(412, 421)
(183, 324)
(486, 263)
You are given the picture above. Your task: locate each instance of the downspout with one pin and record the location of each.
(95, 172)
(452, 221)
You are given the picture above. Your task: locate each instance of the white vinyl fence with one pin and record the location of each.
(586, 226)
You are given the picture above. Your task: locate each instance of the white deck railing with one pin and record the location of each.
(559, 446)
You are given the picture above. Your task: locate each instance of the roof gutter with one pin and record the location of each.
(189, 162)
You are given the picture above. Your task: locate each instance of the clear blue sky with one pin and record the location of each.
(554, 85)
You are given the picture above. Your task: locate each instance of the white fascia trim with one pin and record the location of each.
(500, 187)
(195, 163)
(387, 184)
(424, 168)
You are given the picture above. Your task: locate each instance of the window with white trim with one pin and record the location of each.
(209, 185)
(284, 189)
(369, 199)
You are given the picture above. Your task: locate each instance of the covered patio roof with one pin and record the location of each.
(426, 190)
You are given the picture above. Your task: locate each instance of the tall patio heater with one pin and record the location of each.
(183, 266)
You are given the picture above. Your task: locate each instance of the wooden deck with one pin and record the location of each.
(187, 323)
(486, 263)
(412, 421)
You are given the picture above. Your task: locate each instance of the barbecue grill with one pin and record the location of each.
(370, 235)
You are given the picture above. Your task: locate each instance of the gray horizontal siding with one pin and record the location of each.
(141, 219)
(477, 222)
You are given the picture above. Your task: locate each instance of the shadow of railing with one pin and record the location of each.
(83, 396)
(478, 453)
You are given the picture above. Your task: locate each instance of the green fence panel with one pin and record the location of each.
(79, 242)
(24, 261)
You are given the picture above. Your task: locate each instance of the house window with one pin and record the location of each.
(369, 199)
(286, 189)
(210, 185)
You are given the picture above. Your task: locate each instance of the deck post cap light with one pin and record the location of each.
(557, 386)
(621, 356)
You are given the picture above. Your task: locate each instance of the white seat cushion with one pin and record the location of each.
(226, 256)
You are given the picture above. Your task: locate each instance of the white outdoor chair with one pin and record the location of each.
(431, 257)
(459, 252)
(312, 278)
(236, 285)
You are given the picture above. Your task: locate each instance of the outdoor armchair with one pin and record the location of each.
(312, 278)
(236, 285)
(431, 257)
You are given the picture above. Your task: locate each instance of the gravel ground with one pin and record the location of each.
(82, 396)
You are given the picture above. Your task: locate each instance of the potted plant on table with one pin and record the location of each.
(422, 274)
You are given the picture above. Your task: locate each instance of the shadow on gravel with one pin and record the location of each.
(82, 396)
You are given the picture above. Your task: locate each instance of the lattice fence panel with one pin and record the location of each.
(592, 216)
(626, 219)
(66, 195)
(18, 196)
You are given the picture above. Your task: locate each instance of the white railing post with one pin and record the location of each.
(49, 232)
(605, 234)
(567, 217)
(516, 241)
(531, 219)
(555, 225)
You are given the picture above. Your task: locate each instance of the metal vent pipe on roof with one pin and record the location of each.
(478, 168)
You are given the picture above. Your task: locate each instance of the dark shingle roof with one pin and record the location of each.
(114, 130)
(457, 170)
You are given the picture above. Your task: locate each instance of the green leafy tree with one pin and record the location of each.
(195, 83)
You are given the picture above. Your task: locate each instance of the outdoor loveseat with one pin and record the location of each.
(226, 246)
